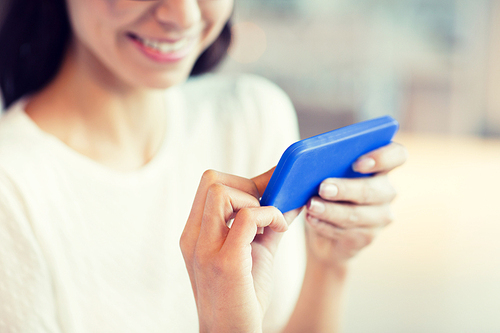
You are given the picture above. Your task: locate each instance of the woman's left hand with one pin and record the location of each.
(349, 212)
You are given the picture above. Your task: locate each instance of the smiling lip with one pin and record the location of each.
(163, 50)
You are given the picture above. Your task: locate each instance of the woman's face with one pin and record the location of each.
(147, 43)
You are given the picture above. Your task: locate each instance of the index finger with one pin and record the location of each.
(383, 159)
(209, 178)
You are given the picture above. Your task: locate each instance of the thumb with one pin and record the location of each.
(262, 180)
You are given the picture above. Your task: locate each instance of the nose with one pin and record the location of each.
(178, 14)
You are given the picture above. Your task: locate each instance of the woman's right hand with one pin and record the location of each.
(231, 268)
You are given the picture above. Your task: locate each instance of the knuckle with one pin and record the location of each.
(187, 246)
(352, 217)
(217, 190)
(368, 192)
(392, 193)
(184, 243)
(387, 191)
(389, 217)
(245, 214)
(367, 239)
(405, 154)
(210, 176)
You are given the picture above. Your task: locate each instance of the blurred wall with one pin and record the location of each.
(430, 63)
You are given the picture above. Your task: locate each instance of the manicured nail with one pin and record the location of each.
(316, 206)
(364, 164)
(328, 191)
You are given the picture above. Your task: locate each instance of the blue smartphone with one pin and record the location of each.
(306, 163)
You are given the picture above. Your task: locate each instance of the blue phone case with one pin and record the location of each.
(306, 163)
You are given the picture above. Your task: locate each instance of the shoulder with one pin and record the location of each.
(252, 111)
(232, 84)
(251, 99)
(248, 89)
(20, 143)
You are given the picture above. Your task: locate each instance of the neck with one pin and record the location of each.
(98, 115)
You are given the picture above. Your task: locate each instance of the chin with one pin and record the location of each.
(167, 81)
(157, 80)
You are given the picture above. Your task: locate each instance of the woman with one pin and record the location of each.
(101, 150)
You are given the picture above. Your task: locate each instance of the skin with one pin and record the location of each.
(348, 222)
(230, 268)
(106, 102)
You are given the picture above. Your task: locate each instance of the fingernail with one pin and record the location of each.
(328, 191)
(316, 206)
(364, 164)
(312, 220)
(260, 230)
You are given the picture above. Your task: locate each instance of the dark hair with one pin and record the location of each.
(33, 39)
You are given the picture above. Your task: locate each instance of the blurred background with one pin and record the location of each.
(431, 63)
(435, 66)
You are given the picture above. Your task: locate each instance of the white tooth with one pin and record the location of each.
(155, 45)
(180, 44)
(165, 48)
(175, 46)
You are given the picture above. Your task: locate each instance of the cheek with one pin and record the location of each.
(95, 22)
(215, 14)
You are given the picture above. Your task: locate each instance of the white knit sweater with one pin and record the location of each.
(84, 248)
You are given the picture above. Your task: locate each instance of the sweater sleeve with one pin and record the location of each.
(26, 295)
